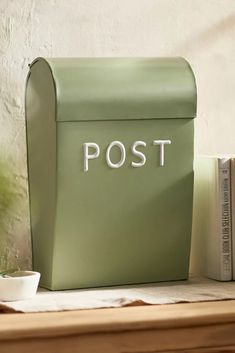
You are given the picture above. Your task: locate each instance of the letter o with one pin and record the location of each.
(123, 154)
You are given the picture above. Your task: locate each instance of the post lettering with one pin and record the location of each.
(139, 154)
(88, 156)
(122, 157)
(162, 144)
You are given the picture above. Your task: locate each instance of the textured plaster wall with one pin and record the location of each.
(201, 31)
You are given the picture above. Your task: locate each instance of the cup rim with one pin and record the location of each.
(20, 274)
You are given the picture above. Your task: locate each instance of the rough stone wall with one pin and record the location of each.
(201, 31)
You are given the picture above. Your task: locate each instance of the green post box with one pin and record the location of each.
(110, 164)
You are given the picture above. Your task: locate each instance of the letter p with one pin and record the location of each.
(88, 156)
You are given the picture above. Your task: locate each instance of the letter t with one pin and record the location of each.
(162, 144)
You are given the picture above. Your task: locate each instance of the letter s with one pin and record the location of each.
(139, 154)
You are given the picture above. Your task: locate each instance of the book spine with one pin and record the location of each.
(225, 229)
(233, 213)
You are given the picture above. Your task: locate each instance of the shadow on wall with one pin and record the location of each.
(10, 201)
(209, 36)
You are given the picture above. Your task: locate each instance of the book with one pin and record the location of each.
(232, 166)
(216, 222)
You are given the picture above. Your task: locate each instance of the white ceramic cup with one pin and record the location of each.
(19, 285)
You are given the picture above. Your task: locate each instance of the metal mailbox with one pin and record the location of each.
(110, 165)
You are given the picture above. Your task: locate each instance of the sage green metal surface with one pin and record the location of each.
(110, 226)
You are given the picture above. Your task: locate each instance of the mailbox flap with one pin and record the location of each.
(121, 88)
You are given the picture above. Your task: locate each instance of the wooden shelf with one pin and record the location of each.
(194, 327)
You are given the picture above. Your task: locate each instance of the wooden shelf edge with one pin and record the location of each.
(139, 318)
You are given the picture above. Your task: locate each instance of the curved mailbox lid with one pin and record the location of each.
(122, 88)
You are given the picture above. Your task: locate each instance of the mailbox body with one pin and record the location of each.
(110, 226)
